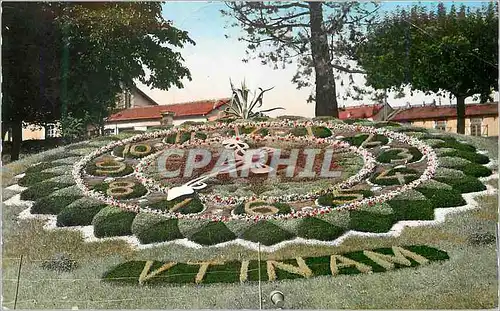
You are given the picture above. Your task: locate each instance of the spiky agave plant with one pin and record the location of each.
(240, 105)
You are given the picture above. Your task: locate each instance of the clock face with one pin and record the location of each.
(283, 169)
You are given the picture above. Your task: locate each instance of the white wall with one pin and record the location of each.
(142, 125)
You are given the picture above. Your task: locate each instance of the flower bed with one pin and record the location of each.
(369, 200)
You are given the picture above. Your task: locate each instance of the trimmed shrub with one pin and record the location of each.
(52, 204)
(298, 131)
(35, 177)
(40, 167)
(317, 229)
(79, 213)
(201, 135)
(185, 136)
(266, 233)
(471, 156)
(452, 143)
(464, 184)
(112, 221)
(59, 156)
(188, 227)
(194, 206)
(441, 198)
(476, 170)
(214, 232)
(321, 131)
(171, 138)
(150, 228)
(376, 218)
(41, 189)
(412, 209)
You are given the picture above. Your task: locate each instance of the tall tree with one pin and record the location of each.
(454, 51)
(31, 43)
(317, 35)
(76, 57)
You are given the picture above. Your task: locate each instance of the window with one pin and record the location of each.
(440, 125)
(51, 130)
(475, 126)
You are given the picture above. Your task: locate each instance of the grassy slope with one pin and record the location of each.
(467, 280)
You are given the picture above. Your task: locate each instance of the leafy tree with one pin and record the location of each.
(454, 51)
(62, 58)
(318, 36)
(30, 44)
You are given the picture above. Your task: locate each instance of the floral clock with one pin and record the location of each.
(305, 180)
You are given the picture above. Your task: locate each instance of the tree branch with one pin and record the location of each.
(345, 69)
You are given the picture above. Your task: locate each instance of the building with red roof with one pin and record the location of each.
(142, 118)
(480, 119)
(377, 112)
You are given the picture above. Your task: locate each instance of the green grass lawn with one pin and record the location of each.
(467, 280)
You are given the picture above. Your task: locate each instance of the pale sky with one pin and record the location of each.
(215, 59)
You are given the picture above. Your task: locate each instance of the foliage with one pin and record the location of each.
(36, 177)
(52, 204)
(242, 107)
(314, 228)
(266, 233)
(464, 184)
(41, 189)
(79, 213)
(412, 209)
(317, 36)
(298, 131)
(471, 156)
(150, 228)
(377, 218)
(214, 232)
(321, 132)
(72, 128)
(112, 221)
(456, 145)
(55, 62)
(452, 51)
(443, 198)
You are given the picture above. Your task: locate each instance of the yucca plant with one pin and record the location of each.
(240, 105)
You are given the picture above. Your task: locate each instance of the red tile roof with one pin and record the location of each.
(359, 112)
(197, 108)
(442, 112)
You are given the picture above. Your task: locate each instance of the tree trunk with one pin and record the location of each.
(326, 95)
(17, 138)
(460, 114)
